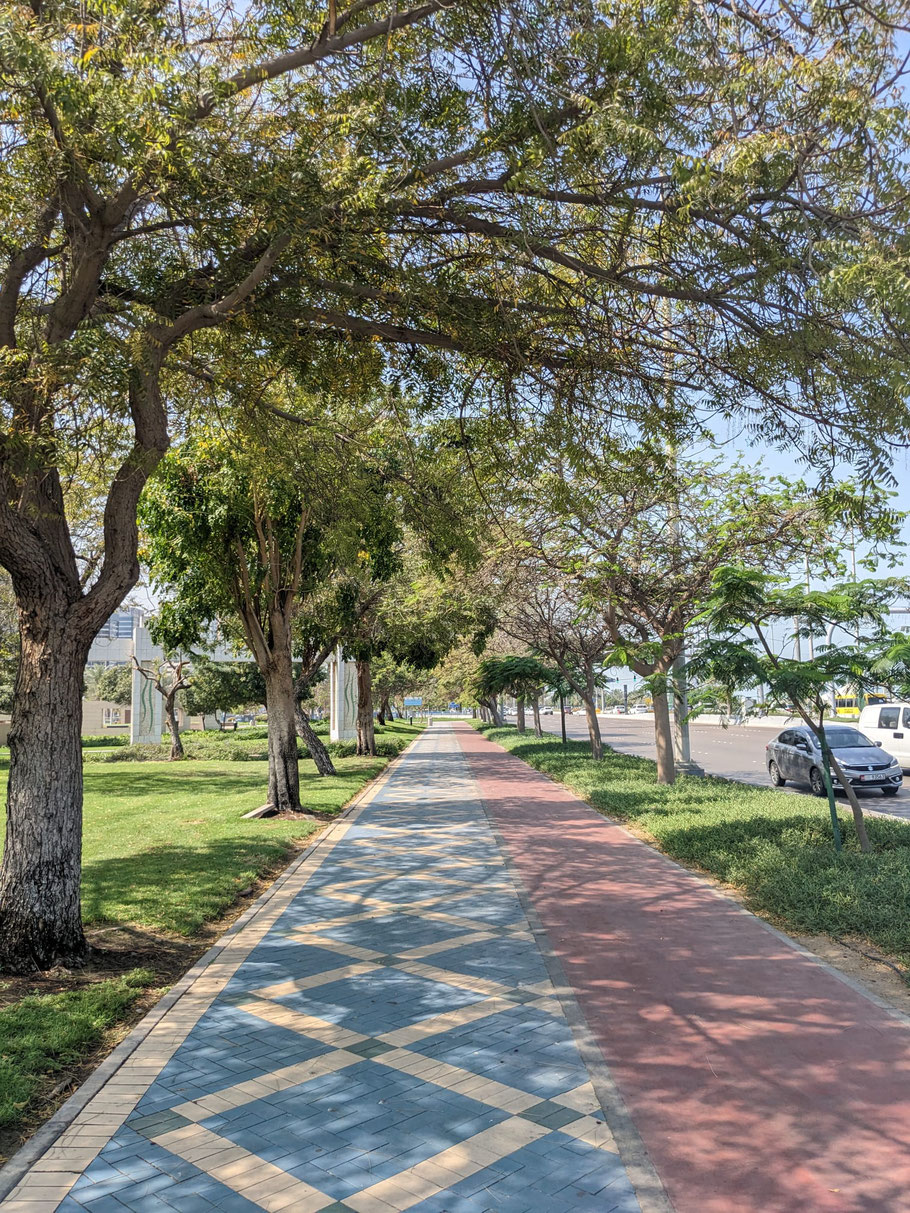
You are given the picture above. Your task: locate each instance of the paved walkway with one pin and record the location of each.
(382, 1034)
(759, 1080)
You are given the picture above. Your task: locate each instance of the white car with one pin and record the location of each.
(888, 724)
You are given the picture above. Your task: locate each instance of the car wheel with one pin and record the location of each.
(774, 772)
(817, 782)
(890, 791)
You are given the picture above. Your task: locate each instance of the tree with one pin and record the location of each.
(238, 533)
(549, 610)
(402, 175)
(635, 538)
(113, 683)
(739, 655)
(219, 686)
(9, 644)
(519, 676)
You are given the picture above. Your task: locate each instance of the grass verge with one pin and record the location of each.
(168, 862)
(775, 848)
(42, 1034)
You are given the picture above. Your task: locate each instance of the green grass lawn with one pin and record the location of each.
(774, 847)
(43, 1034)
(165, 850)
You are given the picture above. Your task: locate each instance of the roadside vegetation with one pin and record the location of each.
(772, 847)
(168, 859)
(249, 745)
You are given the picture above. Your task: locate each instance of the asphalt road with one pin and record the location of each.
(737, 752)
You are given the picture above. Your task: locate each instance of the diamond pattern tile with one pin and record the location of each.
(389, 1041)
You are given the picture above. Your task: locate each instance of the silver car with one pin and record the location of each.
(795, 755)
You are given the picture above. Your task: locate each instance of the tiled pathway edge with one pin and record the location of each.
(383, 1036)
(758, 1080)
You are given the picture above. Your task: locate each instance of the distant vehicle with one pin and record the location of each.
(795, 756)
(619, 710)
(847, 703)
(888, 724)
(546, 711)
(640, 709)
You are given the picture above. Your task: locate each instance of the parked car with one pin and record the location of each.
(795, 756)
(889, 725)
(546, 711)
(640, 709)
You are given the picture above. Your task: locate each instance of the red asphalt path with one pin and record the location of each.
(756, 1078)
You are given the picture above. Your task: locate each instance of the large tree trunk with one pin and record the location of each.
(40, 912)
(319, 754)
(535, 705)
(366, 739)
(170, 719)
(520, 715)
(663, 737)
(284, 773)
(597, 749)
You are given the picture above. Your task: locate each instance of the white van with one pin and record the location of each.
(889, 725)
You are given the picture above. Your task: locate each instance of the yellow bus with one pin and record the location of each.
(846, 703)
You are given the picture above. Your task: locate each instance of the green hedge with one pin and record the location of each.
(241, 749)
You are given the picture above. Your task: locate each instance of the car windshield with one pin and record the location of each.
(842, 739)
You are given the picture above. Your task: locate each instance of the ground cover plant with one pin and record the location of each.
(42, 1034)
(166, 852)
(250, 745)
(776, 848)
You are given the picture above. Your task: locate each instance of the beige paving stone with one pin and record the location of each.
(48, 1191)
(441, 1177)
(581, 1099)
(281, 989)
(14, 1204)
(594, 1132)
(364, 1203)
(294, 1201)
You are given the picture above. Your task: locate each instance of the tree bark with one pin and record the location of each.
(520, 715)
(284, 773)
(535, 705)
(366, 739)
(170, 719)
(663, 737)
(319, 754)
(597, 749)
(40, 910)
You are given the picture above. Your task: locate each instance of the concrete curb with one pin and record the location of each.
(44, 1138)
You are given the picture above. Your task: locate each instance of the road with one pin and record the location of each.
(737, 752)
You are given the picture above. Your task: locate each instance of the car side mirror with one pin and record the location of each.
(879, 744)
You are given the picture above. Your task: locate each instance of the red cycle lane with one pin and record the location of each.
(757, 1079)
